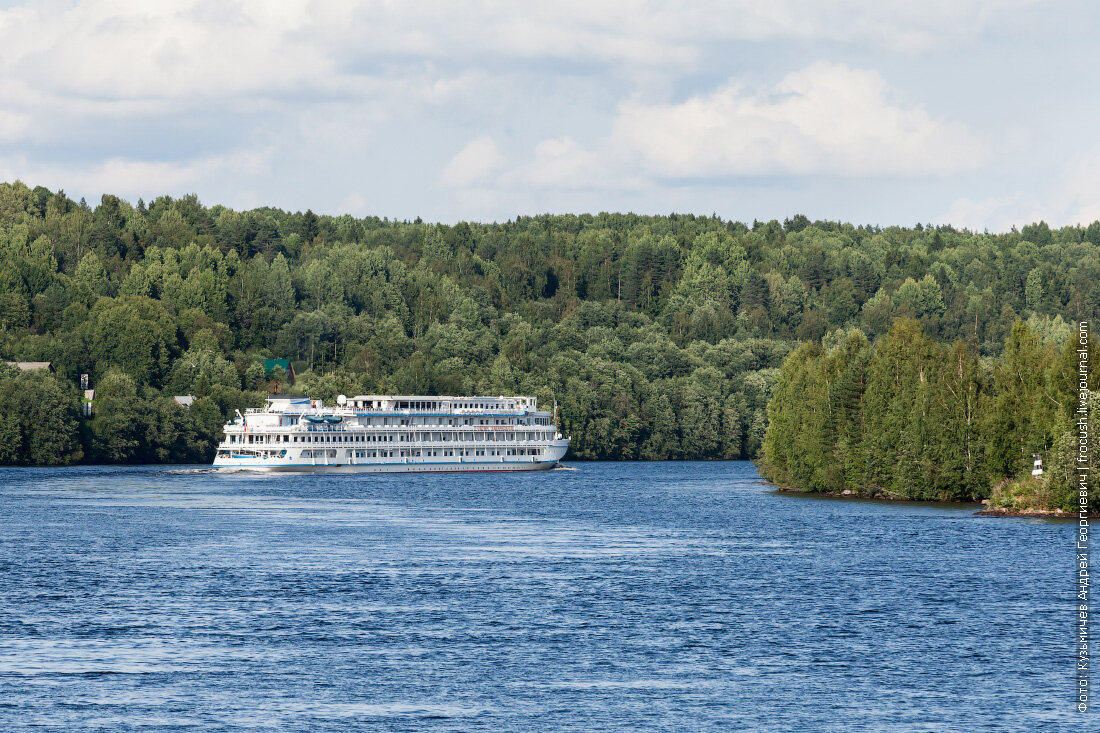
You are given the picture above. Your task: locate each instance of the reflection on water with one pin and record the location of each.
(608, 597)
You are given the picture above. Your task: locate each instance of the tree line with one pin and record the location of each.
(659, 336)
(909, 418)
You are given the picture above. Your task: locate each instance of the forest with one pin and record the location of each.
(661, 337)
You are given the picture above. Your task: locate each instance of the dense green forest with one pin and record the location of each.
(660, 336)
(909, 418)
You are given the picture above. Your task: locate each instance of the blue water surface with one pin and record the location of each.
(604, 597)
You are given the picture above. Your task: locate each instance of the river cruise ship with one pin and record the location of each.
(387, 434)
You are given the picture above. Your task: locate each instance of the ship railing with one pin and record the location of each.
(306, 427)
(503, 444)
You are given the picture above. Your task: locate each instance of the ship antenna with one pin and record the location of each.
(555, 411)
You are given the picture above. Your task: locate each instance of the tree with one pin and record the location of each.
(1019, 418)
(121, 419)
(38, 419)
(134, 333)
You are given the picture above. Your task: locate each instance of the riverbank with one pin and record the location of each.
(988, 510)
(877, 496)
(1033, 513)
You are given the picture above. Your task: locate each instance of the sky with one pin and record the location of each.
(983, 114)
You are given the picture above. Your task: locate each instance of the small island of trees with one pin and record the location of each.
(908, 418)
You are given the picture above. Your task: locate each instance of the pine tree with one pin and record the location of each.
(896, 408)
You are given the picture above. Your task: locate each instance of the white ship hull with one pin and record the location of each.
(272, 466)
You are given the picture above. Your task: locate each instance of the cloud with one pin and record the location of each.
(824, 120)
(474, 165)
(129, 177)
(71, 64)
(562, 163)
(128, 95)
(354, 203)
(1072, 198)
(1079, 187)
(995, 213)
(14, 126)
(131, 49)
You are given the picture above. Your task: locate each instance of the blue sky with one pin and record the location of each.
(980, 113)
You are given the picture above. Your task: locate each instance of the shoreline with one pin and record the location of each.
(986, 511)
(1030, 513)
(849, 494)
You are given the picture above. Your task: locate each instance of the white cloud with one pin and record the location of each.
(825, 120)
(131, 95)
(1079, 188)
(1072, 198)
(995, 213)
(562, 163)
(128, 177)
(14, 126)
(474, 165)
(131, 49)
(354, 203)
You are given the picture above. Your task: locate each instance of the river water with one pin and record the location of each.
(666, 596)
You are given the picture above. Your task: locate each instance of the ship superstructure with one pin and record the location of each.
(393, 434)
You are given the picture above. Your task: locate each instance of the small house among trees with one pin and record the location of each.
(287, 368)
(32, 366)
